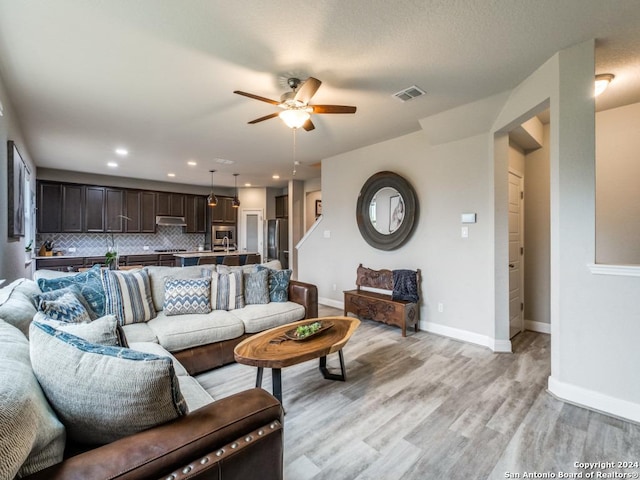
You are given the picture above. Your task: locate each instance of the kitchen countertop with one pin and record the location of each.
(188, 254)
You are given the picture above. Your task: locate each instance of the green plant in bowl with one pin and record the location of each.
(304, 331)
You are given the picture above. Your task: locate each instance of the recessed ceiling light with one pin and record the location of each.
(224, 161)
(276, 177)
(112, 164)
(123, 152)
(247, 184)
(193, 163)
(171, 174)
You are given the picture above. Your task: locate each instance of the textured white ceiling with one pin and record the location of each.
(157, 76)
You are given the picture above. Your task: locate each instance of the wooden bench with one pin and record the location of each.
(380, 306)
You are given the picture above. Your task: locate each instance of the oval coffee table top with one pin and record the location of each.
(260, 351)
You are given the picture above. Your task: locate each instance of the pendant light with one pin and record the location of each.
(212, 200)
(236, 201)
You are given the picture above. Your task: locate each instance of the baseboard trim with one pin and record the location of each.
(599, 402)
(539, 327)
(329, 302)
(498, 346)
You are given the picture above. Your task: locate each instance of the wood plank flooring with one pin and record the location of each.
(428, 407)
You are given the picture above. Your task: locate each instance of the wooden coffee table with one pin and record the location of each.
(265, 350)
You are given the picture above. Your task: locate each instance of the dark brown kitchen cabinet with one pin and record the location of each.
(114, 210)
(60, 208)
(60, 264)
(195, 214)
(170, 204)
(72, 200)
(282, 206)
(140, 210)
(49, 212)
(94, 200)
(224, 212)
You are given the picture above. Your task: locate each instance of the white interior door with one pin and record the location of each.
(516, 253)
(252, 231)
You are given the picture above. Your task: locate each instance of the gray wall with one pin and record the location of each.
(12, 256)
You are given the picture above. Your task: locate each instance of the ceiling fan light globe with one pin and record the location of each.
(294, 118)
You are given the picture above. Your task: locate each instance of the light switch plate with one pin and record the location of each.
(465, 232)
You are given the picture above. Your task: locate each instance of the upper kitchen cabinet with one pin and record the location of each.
(49, 207)
(282, 206)
(94, 209)
(224, 212)
(60, 207)
(170, 204)
(140, 210)
(195, 214)
(114, 210)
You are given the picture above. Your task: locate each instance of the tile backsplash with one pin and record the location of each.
(89, 244)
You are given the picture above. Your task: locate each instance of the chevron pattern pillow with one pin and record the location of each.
(184, 296)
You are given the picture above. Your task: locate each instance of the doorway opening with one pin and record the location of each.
(251, 235)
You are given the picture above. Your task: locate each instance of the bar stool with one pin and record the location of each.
(231, 260)
(252, 258)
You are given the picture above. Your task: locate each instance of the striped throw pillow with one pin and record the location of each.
(128, 296)
(184, 296)
(227, 291)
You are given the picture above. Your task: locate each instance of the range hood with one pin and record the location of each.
(171, 221)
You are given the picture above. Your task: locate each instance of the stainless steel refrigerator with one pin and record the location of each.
(278, 241)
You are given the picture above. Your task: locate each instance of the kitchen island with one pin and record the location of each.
(186, 259)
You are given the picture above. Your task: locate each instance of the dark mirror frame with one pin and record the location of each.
(398, 238)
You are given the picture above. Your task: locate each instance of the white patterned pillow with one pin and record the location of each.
(103, 393)
(103, 330)
(65, 308)
(185, 296)
(227, 290)
(128, 296)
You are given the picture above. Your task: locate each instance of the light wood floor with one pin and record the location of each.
(428, 407)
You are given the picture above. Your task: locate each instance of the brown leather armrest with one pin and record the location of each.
(306, 294)
(160, 450)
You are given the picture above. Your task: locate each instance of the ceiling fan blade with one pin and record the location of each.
(257, 97)
(308, 90)
(262, 119)
(333, 109)
(308, 125)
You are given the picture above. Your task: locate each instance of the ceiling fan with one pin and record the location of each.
(296, 111)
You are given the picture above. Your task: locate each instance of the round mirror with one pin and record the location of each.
(386, 211)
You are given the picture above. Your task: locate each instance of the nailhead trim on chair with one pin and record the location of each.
(203, 463)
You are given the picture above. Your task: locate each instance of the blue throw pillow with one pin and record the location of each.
(278, 284)
(185, 296)
(56, 294)
(89, 283)
(66, 308)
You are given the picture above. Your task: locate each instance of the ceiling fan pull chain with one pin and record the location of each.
(294, 151)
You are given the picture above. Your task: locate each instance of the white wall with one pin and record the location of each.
(595, 319)
(618, 185)
(12, 255)
(449, 179)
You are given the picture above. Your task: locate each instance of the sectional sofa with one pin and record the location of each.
(49, 373)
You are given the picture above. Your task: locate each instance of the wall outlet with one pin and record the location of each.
(146, 247)
(72, 249)
(440, 307)
(335, 287)
(327, 234)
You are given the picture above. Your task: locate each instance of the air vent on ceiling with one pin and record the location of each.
(409, 93)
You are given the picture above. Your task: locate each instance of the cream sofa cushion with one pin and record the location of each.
(257, 318)
(177, 333)
(17, 306)
(139, 332)
(31, 436)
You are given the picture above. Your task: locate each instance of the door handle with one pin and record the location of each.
(511, 265)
